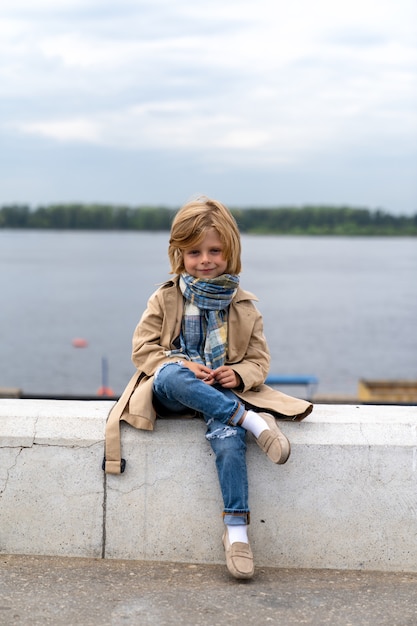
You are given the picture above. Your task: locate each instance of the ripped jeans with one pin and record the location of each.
(177, 389)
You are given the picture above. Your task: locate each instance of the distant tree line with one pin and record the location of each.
(306, 220)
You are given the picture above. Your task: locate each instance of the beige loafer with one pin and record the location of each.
(239, 558)
(273, 442)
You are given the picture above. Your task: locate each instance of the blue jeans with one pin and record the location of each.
(177, 389)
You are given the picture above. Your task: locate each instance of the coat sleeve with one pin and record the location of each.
(152, 338)
(249, 352)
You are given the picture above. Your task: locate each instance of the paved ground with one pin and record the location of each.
(64, 591)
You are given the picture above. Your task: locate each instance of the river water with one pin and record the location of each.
(340, 309)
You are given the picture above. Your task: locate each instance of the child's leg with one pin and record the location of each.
(229, 446)
(177, 388)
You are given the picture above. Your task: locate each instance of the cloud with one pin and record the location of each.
(74, 129)
(234, 82)
(154, 126)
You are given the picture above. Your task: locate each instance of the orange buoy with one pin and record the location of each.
(78, 342)
(105, 391)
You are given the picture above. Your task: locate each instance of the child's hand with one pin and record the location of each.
(201, 371)
(226, 377)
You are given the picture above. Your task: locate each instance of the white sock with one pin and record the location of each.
(254, 423)
(237, 533)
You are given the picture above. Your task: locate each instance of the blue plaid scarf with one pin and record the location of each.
(203, 335)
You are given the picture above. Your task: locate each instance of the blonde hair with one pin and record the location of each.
(190, 225)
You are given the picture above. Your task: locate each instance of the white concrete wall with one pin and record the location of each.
(347, 498)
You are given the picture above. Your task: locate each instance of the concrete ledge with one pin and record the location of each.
(347, 498)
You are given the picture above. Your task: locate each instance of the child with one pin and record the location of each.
(199, 349)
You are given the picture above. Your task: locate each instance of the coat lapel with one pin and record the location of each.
(173, 303)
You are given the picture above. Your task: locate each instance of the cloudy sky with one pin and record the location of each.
(255, 103)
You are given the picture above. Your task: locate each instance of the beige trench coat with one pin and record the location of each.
(247, 355)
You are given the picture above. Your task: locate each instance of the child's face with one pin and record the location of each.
(205, 260)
